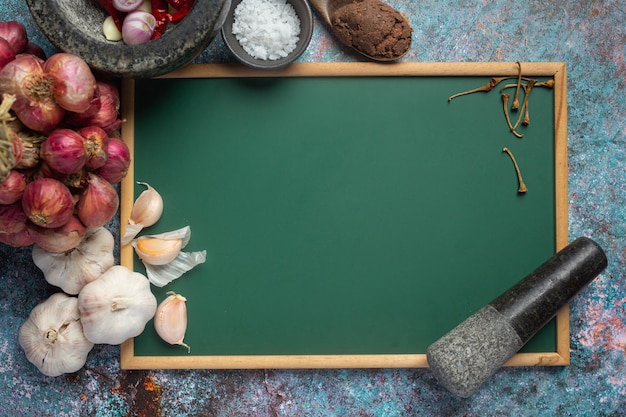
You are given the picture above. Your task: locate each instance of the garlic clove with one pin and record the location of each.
(155, 251)
(161, 275)
(146, 211)
(161, 249)
(165, 262)
(170, 320)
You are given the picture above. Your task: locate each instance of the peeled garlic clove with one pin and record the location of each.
(146, 211)
(157, 251)
(170, 320)
(153, 251)
(163, 248)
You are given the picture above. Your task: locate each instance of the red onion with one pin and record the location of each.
(73, 180)
(138, 27)
(127, 5)
(98, 203)
(15, 34)
(15, 230)
(104, 110)
(47, 202)
(61, 239)
(96, 145)
(64, 151)
(75, 84)
(6, 53)
(12, 188)
(34, 104)
(34, 49)
(115, 168)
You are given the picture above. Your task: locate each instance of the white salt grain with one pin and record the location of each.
(266, 29)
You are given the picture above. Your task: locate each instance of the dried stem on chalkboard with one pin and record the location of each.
(526, 120)
(522, 186)
(523, 83)
(505, 107)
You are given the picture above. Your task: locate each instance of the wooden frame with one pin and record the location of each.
(555, 70)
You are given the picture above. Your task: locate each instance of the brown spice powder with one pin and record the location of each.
(372, 27)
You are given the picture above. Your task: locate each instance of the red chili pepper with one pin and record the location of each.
(159, 11)
(183, 10)
(177, 4)
(118, 17)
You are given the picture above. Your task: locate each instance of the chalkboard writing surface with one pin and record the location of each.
(351, 214)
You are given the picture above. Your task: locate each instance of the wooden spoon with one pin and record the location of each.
(327, 9)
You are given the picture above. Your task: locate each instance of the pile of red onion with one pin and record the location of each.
(60, 151)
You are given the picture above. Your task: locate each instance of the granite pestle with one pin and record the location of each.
(464, 358)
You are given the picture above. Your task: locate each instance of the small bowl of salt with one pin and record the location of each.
(268, 34)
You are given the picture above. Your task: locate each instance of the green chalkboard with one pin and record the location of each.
(351, 215)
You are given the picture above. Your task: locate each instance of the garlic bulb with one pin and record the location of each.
(72, 270)
(146, 211)
(161, 255)
(170, 320)
(53, 338)
(116, 306)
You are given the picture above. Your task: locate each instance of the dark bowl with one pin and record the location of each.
(75, 26)
(302, 9)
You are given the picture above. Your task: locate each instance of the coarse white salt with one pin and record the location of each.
(266, 29)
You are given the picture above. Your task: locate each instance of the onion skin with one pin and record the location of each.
(31, 146)
(115, 168)
(98, 203)
(35, 105)
(74, 85)
(15, 34)
(34, 49)
(103, 111)
(96, 145)
(47, 202)
(15, 229)
(12, 188)
(61, 239)
(6, 53)
(64, 151)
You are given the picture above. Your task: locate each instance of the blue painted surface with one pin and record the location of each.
(590, 36)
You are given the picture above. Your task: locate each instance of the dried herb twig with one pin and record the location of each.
(522, 83)
(483, 88)
(522, 186)
(505, 107)
(493, 83)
